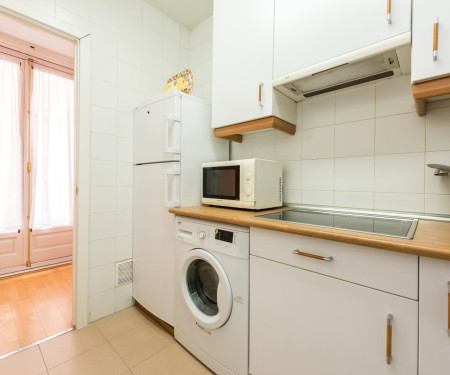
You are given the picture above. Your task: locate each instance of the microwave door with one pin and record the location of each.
(222, 182)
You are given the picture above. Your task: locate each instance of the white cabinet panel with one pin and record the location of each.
(304, 322)
(242, 58)
(434, 313)
(310, 32)
(423, 65)
(12, 249)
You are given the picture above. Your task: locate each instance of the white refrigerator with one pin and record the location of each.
(172, 138)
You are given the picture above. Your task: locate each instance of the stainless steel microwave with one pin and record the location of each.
(252, 184)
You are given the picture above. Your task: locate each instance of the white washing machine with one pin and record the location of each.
(212, 293)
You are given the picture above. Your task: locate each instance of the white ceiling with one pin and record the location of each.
(187, 12)
(35, 36)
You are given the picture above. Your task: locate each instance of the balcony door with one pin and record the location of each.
(36, 163)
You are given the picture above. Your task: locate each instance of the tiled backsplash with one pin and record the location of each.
(363, 147)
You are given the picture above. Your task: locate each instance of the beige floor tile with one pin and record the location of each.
(70, 345)
(141, 343)
(102, 360)
(174, 360)
(28, 362)
(121, 322)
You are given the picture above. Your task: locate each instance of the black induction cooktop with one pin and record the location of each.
(358, 222)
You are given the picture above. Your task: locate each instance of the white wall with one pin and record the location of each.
(363, 147)
(135, 49)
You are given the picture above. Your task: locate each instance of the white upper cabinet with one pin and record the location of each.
(424, 65)
(434, 317)
(242, 61)
(311, 32)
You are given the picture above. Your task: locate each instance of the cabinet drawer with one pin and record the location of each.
(380, 269)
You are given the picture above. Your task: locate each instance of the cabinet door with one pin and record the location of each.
(423, 65)
(242, 58)
(434, 313)
(310, 32)
(302, 322)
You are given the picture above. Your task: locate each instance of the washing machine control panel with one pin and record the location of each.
(223, 235)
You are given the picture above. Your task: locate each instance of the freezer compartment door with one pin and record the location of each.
(153, 237)
(157, 131)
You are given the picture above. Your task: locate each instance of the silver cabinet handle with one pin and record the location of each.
(389, 20)
(435, 38)
(389, 339)
(298, 252)
(260, 85)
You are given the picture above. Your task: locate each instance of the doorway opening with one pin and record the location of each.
(37, 187)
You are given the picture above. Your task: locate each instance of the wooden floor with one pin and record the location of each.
(34, 306)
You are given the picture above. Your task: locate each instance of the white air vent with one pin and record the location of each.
(124, 272)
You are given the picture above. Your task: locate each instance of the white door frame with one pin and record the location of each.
(82, 61)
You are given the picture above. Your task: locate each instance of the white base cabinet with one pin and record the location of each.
(434, 317)
(302, 322)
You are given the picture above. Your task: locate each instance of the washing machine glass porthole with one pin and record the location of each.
(202, 283)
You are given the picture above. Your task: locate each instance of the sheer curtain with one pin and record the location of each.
(11, 190)
(52, 144)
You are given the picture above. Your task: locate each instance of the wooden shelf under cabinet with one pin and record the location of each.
(234, 132)
(429, 89)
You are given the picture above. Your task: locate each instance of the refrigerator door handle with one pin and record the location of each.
(173, 134)
(171, 189)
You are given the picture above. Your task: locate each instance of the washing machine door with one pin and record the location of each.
(206, 289)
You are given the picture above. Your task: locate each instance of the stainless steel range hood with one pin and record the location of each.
(388, 64)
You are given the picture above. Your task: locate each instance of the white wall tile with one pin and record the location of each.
(355, 104)
(124, 297)
(104, 41)
(103, 173)
(354, 174)
(44, 6)
(318, 174)
(103, 147)
(101, 305)
(128, 100)
(322, 198)
(171, 30)
(129, 29)
(124, 198)
(355, 138)
(288, 147)
(125, 149)
(242, 150)
(80, 7)
(129, 77)
(353, 199)
(437, 184)
(292, 196)
(394, 96)
(401, 173)
(292, 175)
(104, 94)
(171, 51)
(124, 223)
(400, 134)
(399, 202)
(437, 204)
(264, 146)
(124, 125)
(152, 17)
(101, 278)
(103, 15)
(132, 8)
(102, 199)
(318, 143)
(102, 226)
(71, 18)
(152, 63)
(124, 174)
(184, 37)
(124, 248)
(102, 252)
(103, 120)
(129, 52)
(104, 68)
(438, 129)
(319, 111)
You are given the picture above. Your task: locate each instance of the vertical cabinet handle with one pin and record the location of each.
(435, 38)
(260, 85)
(448, 325)
(389, 20)
(389, 339)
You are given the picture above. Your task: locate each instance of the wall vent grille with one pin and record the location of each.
(124, 272)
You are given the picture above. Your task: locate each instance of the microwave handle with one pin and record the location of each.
(170, 182)
(172, 127)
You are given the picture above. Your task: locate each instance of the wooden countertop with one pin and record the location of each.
(432, 238)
